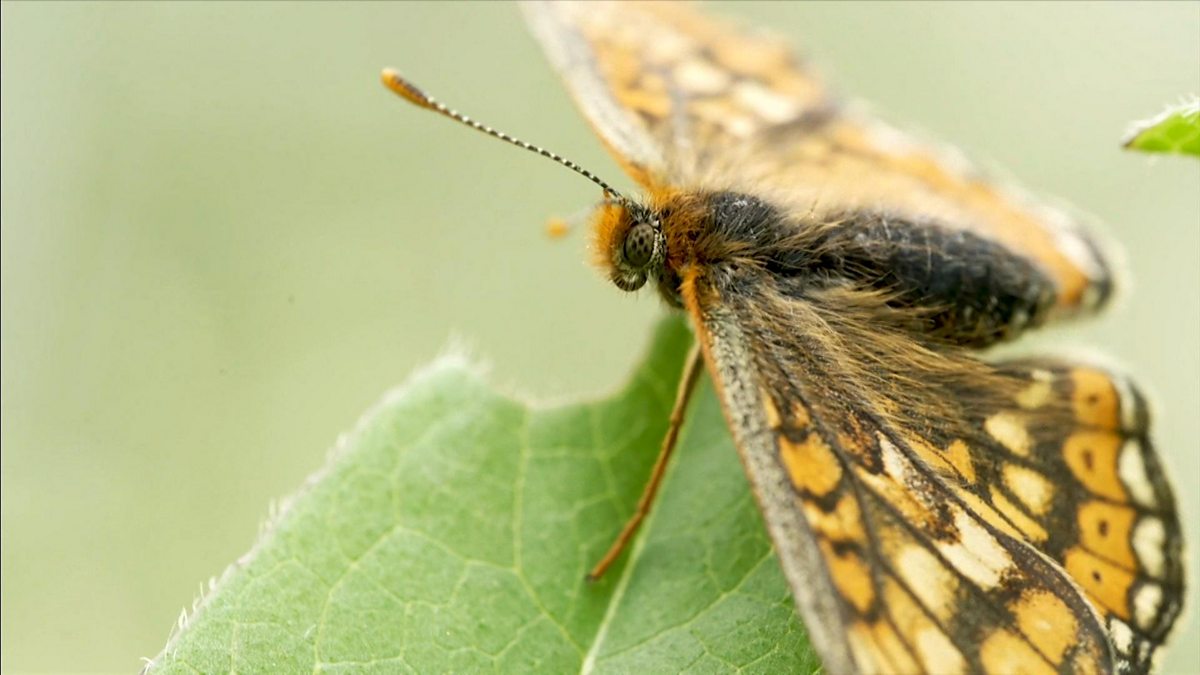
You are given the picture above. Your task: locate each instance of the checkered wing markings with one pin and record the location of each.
(961, 533)
(1071, 467)
(669, 88)
(684, 100)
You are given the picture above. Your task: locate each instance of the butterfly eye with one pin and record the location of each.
(638, 248)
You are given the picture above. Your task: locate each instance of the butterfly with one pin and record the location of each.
(932, 511)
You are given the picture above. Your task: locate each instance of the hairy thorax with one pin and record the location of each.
(951, 284)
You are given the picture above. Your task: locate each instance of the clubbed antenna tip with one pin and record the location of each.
(413, 94)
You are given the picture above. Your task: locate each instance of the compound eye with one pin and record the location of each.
(639, 245)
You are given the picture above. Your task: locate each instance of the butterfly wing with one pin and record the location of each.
(1084, 484)
(684, 100)
(933, 513)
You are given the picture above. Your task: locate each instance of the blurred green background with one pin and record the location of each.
(223, 240)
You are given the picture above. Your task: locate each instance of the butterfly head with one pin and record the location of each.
(629, 242)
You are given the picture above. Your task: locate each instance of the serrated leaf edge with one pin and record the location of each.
(456, 356)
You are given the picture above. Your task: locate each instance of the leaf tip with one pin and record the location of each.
(1175, 130)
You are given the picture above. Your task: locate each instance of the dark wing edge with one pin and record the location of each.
(725, 352)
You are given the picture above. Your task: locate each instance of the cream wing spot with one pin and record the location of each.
(740, 126)
(977, 555)
(698, 77)
(765, 103)
(1038, 392)
(1121, 633)
(1131, 468)
(668, 47)
(1149, 538)
(1147, 602)
(929, 580)
(939, 654)
(1009, 431)
(1029, 486)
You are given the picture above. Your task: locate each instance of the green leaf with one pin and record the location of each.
(452, 529)
(1176, 130)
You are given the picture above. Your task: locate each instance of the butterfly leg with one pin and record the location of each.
(687, 384)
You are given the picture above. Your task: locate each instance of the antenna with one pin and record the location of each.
(409, 92)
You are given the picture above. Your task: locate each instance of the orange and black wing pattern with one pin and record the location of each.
(684, 100)
(934, 513)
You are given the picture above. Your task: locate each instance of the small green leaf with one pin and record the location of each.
(452, 530)
(1176, 130)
